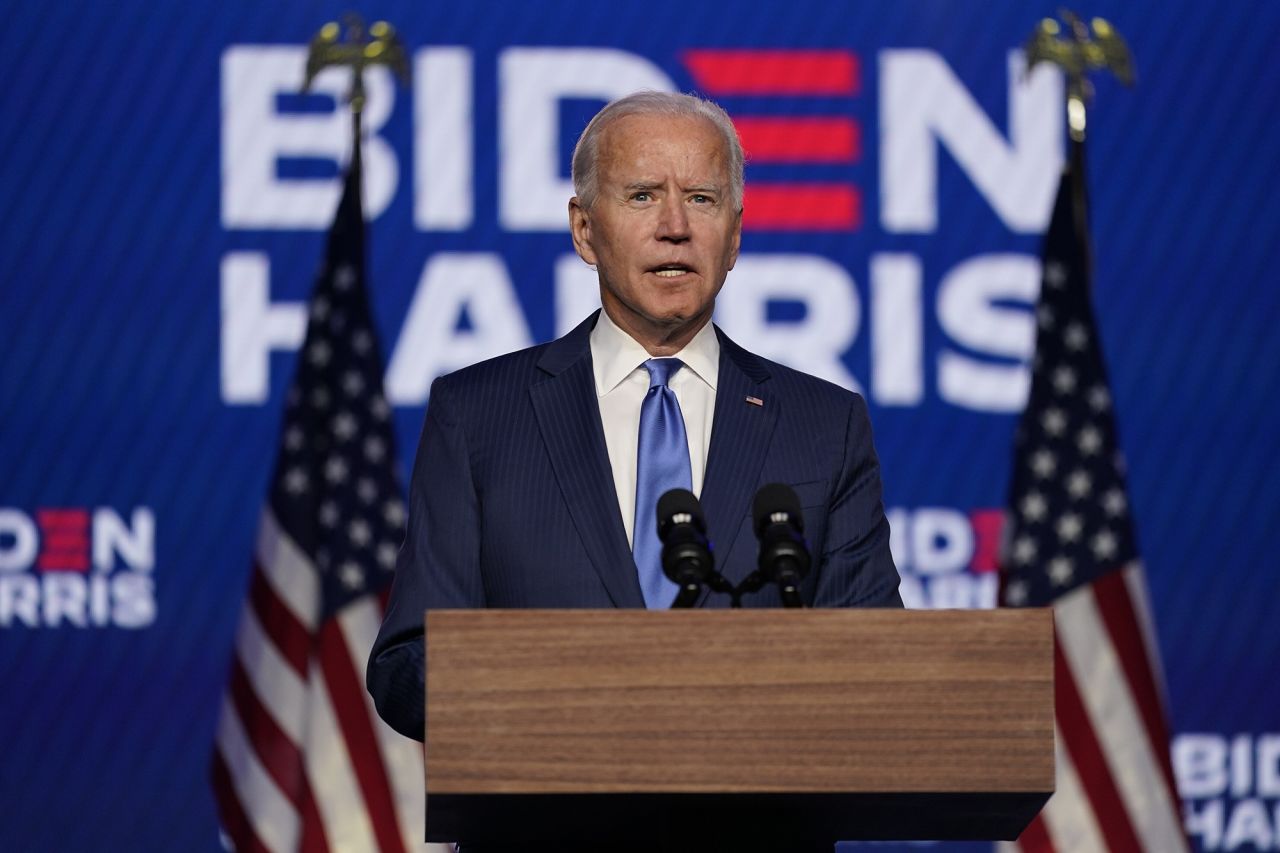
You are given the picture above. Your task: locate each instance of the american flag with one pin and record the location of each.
(302, 761)
(1071, 545)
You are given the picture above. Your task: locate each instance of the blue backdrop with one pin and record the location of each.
(167, 196)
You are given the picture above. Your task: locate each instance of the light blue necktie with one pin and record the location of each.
(662, 464)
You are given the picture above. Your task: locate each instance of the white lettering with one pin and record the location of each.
(532, 82)
(969, 314)
(252, 326)
(898, 521)
(897, 334)
(1269, 768)
(125, 599)
(63, 598)
(19, 553)
(1249, 824)
(1200, 765)
(1206, 823)
(957, 591)
(961, 591)
(912, 591)
(941, 541)
(255, 136)
(20, 597)
(136, 544)
(133, 600)
(431, 344)
(922, 100)
(444, 172)
(1241, 765)
(813, 344)
(99, 600)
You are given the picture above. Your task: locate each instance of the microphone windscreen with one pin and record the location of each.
(675, 502)
(773, 499)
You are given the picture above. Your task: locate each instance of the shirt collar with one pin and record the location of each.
(615, 355)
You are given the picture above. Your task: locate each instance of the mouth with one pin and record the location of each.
(672, 270)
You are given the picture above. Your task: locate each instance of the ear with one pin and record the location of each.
(580, 229)
(736, 242)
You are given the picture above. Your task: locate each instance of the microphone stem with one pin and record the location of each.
(687, 597)
(791, 596)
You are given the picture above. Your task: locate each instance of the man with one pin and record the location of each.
(537, 472)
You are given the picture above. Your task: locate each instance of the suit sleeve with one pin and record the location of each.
(856, 568)
(438, 566)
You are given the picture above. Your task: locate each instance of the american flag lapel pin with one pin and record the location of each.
(755, 401)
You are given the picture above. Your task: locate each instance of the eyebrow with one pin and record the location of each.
(653, 185)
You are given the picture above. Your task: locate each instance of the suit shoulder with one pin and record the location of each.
(521, 368)
(787, 381)
(783, 374)
(507, 370)
(822, 394)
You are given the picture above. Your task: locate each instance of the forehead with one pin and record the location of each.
(657, 146)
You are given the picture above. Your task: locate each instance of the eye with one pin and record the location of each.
(700, 198)
(643, 195)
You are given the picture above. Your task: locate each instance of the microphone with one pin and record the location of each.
(686, 553)
(779, 525)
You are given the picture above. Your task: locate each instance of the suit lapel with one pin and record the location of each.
(740, 437)
(569, 418)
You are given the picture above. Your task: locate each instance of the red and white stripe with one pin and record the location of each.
(1115, 788)
(303, 762)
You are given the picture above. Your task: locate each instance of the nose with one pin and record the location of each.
(673, 220)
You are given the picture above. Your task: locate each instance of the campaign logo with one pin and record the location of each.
(1230, 787)
(817, 126)
(77, 567)
(946, 557)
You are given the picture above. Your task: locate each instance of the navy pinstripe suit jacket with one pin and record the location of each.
(512, 502)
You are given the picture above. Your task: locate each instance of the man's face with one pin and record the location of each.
(662, 231)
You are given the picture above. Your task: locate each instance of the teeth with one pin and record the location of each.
(670, 273)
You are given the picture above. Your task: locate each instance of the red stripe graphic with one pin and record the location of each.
(1086, 754)
(800, 140)
(290, 636)
(988, 524)
(235, 823)
(346, 693)
(802, 207)
(65, 561)
(775, 72)
(64, 540)
(1120, 617)
(52, 519)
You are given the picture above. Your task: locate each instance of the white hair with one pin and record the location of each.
(586, 161)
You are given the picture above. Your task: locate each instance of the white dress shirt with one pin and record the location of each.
(621, 385)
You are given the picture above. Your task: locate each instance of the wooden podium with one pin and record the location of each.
(679, 729)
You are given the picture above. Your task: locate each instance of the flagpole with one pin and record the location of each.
(360, 49)
(1086, 47)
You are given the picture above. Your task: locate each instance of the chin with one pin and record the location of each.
(674, 316)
